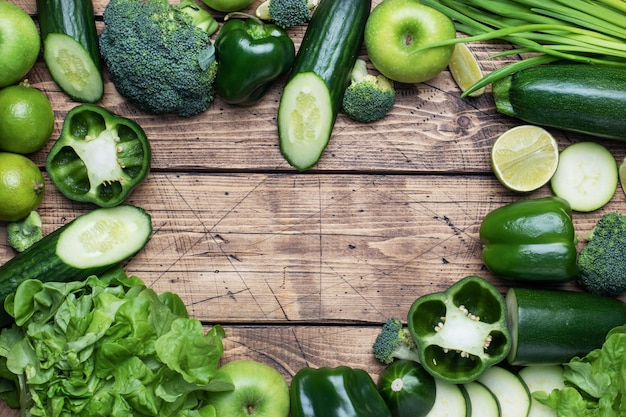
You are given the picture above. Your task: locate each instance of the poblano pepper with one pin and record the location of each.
(251, 56)
(531, 240)
(340, 391)
(99, 157)
(462, 331)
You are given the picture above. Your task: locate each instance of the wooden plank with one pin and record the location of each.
(307, 248)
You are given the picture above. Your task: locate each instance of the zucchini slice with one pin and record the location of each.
(510, 390)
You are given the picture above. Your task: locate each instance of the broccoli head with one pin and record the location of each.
(286, 13)
(368, 97)
(602, 261)
(160, 56)
(22, 234)
(394, 342)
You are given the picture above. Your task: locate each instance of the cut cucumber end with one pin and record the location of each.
(72, 68)
(104, 236)
(586, 176)
(305, 120)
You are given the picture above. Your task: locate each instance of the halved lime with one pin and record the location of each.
(524, 158)
(465, 69)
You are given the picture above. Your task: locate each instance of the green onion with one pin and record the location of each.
(584, 31)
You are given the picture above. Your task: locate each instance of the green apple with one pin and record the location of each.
(260, 391)
(19, 43)
(396, 28)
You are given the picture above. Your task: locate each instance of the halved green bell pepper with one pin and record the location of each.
(340, 391)
(462, 331)
(251, 56)
(99, 157)
(531, 240)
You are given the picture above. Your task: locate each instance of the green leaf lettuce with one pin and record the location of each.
(107, 346)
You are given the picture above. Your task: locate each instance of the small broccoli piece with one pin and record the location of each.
(22, 234)
(602, 261)
(157, 57)
(394, 342)
(286, 13)
(368, 97)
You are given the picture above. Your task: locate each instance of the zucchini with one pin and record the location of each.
(407, 388)
(481, 401)
(314, 91)
(509, 389)
(584, 98)
(73, 60)
(552, 326)
(88, 245)
(449, 400)
(544, 378)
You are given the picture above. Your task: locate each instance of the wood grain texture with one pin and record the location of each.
(302, 268)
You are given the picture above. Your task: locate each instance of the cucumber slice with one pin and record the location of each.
(510, 390)
(72, 68)
(482, 402)
(542, 378)
(587, 176)
(449, 401)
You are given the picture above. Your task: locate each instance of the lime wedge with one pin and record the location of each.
(524, 158)
(465, 69)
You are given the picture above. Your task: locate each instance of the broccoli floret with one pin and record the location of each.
(368, 97)
(22, 234)
(286, 13)
(157, 57)
(602, 261)
(394, 342)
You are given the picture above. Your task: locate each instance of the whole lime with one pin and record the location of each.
(26, 119)
(19, 43)
(21, 186)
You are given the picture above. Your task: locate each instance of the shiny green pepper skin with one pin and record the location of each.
(340, 391)
(407, 389)
(531, 240)
(99, 157)
(251, 56)
(462, 331)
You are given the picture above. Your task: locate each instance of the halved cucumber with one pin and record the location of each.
(72, 68)
(542, 378)
(449, 401)
(306, 120)
(89, 245)
(482, 402)
(510, 390)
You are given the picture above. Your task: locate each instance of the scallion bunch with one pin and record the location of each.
(585, 31)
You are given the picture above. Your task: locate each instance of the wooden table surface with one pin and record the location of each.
(302, 269)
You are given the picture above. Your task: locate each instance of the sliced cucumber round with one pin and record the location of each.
(587, 176)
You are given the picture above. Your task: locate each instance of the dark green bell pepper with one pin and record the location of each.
(462, 331)
(531, 240)
(99, 157)
(340, 391)
(251, 56)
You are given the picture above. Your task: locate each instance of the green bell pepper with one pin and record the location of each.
(462, 331)
(531, 240)
(251, 56)
(340, 391)
(99, 157)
